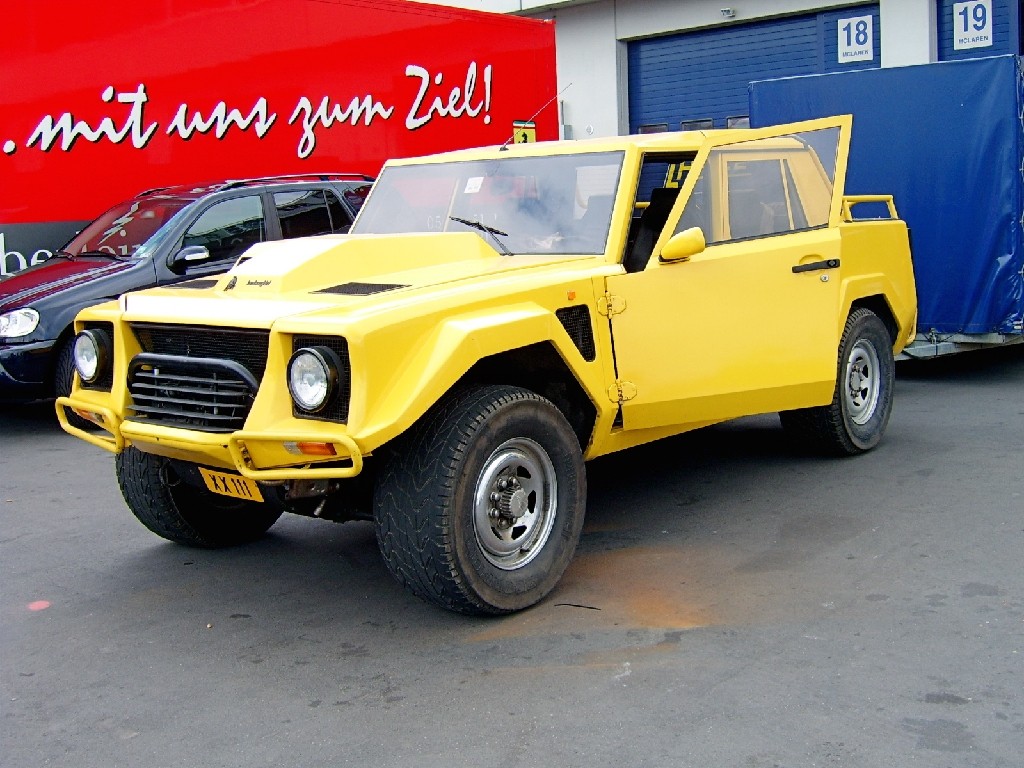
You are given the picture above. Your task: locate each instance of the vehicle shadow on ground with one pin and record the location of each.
(313, 574)
(992, 365)
(307, 572)
(38, 417)
(672, 493)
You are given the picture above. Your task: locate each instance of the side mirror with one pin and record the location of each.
(188, 255)
(681, 247)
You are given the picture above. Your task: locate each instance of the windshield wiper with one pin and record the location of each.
(494, 233)
(103, 254)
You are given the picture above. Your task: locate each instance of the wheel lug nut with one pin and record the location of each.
(493, 513)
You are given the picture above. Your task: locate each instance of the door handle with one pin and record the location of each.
(814, 266)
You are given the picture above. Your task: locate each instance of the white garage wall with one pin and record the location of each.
(908, 32)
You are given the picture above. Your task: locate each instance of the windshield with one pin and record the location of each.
(521, 205)
(126, 227)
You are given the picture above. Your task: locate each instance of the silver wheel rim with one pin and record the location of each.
(515, 503)
(863, 382)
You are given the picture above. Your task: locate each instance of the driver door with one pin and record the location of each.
(749, 325)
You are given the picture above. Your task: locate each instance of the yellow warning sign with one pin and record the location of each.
(676, 173)
(524, 131)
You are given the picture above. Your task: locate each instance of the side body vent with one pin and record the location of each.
(361, 289)
(576, 321)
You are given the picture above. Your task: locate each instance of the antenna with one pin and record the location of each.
(547, 103)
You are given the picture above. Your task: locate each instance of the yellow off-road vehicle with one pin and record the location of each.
(496, 318)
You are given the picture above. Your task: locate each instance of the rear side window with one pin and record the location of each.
(308, 212)
(757, 198)
(764, 187)
(228, 228)
(356, 196)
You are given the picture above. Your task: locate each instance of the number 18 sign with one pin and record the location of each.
(856, 41)
(972, 24)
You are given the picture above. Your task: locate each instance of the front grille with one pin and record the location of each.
(190, 392)
(337, 409)
(576, 321)
(243, 345)
(196, 377)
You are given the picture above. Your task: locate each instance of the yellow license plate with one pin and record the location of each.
(236, 486)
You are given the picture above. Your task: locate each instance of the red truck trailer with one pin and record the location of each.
(101, 100)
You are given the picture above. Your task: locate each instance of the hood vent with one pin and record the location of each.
(194, 284)
(361, 289)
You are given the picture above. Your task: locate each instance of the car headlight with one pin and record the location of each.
(313, 377)
(92, 354)
(17, 323)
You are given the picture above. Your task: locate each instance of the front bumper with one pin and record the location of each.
(265, 455)
(26, 371)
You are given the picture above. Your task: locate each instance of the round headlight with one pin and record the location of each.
(313, 377)
(17, 323)
(92, 354)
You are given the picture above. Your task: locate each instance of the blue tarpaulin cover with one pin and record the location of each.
(947, 140)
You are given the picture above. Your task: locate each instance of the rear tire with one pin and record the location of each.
(480, 508)
(862, 401)
(183, 513)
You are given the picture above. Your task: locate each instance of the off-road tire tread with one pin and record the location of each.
(821, 429)
(162, 510)
(416, 480)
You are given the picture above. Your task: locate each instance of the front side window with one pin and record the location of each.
(227, 228)
(661, 177)
(764, 187)
(535, 205)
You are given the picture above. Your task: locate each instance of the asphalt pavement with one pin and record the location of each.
(732, 604)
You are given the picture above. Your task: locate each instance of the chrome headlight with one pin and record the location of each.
(92, 354)
(17, 323)
(313, 377)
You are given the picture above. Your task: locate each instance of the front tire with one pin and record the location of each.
(480, 508)
(184, 513)
(862, 401)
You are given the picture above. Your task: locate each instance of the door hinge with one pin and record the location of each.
(621, 391)
(609, 305)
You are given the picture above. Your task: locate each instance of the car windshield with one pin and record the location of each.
(127, 227)
(559, 204)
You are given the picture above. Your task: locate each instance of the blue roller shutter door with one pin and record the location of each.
(704, 74)
(956, 17)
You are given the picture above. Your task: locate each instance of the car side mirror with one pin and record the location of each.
(681, 247)
(187, 256)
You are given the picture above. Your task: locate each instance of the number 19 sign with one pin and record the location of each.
(972, 24)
